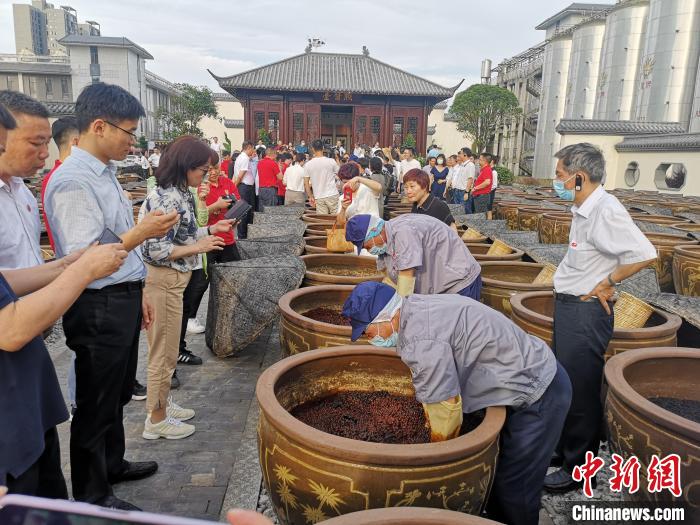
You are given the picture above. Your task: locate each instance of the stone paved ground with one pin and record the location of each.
(217, 468)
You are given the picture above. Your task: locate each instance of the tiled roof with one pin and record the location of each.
(441, 105)
(666, 142)
(109, 41)
(59, 109)
(616, 127)
(233, 123)
(334, 72)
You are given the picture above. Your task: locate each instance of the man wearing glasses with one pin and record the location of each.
(85, 203)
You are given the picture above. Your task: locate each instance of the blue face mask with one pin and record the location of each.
(564, 194)
(378, 340)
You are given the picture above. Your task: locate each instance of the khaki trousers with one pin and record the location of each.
(164, 288)
(294, 197)
(327, 205)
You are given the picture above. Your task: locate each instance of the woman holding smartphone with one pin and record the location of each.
(170, 261)
(360, 194)
(222, 194)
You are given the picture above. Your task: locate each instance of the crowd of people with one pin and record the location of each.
(114, 276)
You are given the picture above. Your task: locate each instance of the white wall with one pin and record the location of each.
(228, 109)
(447, 136)
(616, 164)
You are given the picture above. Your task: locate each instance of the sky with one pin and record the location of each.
(430, 39)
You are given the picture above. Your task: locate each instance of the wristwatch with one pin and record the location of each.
(611, 281)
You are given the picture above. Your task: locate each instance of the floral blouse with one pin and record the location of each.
(185, 232)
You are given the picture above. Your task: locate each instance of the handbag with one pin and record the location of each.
(335, 240)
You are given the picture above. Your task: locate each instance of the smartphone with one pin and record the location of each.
(29, 510)
(347, 194)
(109, 237)
(239, 210)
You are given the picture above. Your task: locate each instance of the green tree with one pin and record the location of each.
(481, 109)
(190, 106)
(265, 137)
(409, 141)
(143, 143)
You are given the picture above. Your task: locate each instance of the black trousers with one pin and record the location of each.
(102, 328)
(527, 441)
(191, 299)
(44, 478)
(247, 193)
(582, 331)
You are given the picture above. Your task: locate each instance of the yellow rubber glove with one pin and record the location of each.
(405, 285)
(444, 418)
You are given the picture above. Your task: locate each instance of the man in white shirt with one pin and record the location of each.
(154, 159)
(244, 178)
(319, 181)
(605, 248)
(462, 171)
(408, 162)
(215, 145)
(26, 151)
(339, 146)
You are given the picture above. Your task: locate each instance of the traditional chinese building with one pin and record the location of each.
(353, 98)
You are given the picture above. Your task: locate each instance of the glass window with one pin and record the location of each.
(298, 121)
(398, 125)
(413, 126)
(376, 124)
(259, 120)
(94, 59)
(361, 124)
(49, 87)
(273, 124)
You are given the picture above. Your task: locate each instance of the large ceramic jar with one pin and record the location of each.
(508, 211)
(534, 313)
(554, 228)
(661, 220)
(529, 218)
(503, 279)
(300, 333)
(480, 252)
(408, 516)
(641, 428)
(318, 228)
(315, 218)
(311, 475)
(316, 244)
(664, 244)
(338, 268)
(686, 227)
(686, 270)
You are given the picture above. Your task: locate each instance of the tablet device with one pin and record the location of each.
(109, 237)
(239, 210)
(28, 510)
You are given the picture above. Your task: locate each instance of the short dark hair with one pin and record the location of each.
(7, 121)
(487, 156)
(349, 170)
(106, 101)
(583, 157)
(376, 164)
(225, 153)
(246, 144)
(62, 129)
(494, 158)
(19, 103)
(363, 162)
(467, 152)
(182, 155)
(418, 176)
(409, 148)
(317, 145)
(300, 157)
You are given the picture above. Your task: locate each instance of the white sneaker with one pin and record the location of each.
(169, 428)
(177, 412)
(194, 326)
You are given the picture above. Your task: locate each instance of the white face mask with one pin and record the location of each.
(440, 162)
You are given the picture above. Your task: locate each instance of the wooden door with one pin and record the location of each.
(367, 125)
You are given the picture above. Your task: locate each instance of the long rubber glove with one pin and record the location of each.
(405, 285)
(445, 419)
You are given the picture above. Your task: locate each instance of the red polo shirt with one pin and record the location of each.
(44, 183)
(267, 172)
(484, 174)
(222, 188)
(224, 166)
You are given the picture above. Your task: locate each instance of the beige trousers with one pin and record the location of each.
(327, 205)
(164, 288)
(294, 197)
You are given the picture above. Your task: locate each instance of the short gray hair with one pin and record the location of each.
(583, 157)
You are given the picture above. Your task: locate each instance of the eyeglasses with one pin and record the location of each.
(133, 135)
